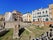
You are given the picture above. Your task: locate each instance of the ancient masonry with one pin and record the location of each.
(46, 36)
(15, 27)
(12, 20)
(16, 32)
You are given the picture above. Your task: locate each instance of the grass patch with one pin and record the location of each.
(25, 35)
(7, 36)
(36, 32)
(26, 32)
(39, 28)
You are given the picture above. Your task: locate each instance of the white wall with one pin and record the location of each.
(8, 16)
(35, 14)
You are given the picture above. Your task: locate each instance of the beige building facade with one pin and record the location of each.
(27, 17)
(51, 10)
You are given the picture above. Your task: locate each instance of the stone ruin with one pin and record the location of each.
(16, 32)
(46, 36)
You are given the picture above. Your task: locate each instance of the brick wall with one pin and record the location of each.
(45, 23)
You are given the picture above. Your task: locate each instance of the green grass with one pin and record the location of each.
(36, 32)
(25, 35)
(7, 36)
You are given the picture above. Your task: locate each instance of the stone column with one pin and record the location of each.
(41, 24)
(16, 32)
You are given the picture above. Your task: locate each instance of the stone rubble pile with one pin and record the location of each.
(46, 36)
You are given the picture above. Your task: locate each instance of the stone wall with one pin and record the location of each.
(10, 24)
(46, 36)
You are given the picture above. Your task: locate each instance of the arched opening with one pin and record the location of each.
(21, 31)
(46, 19)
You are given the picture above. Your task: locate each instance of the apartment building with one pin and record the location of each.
(41, 15)
(51, 10)
(27, 17)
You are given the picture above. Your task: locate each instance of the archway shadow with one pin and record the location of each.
(21, 31)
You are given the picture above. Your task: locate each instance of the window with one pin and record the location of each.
(33, 20)
(38, 19)
(14, 14)
(39, 13)
(44, 15)
(43, 11)
(29, 16)
(51, 18)
(34, 16)
(46, 11)
(46, 19)
(15, 19)
(47, 15)
(39, 16)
